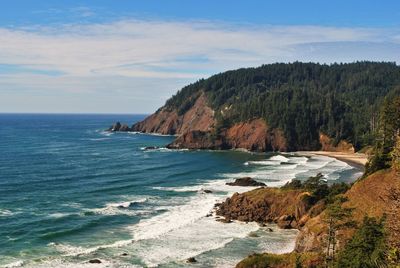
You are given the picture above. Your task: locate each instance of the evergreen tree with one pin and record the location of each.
(366, 248)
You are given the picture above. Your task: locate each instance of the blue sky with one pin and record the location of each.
(130, 56)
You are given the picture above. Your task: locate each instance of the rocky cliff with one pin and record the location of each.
(287, 208)
(252, 135)
(374, 196)
(200, 117)
(196, 129)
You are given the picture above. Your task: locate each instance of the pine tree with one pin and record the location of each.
(396, 155)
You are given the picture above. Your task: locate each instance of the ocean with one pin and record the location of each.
(71, 192)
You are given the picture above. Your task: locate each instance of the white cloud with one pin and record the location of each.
(90, 56)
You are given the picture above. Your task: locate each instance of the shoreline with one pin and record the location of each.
(356, 160)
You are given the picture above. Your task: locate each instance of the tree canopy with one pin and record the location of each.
(303, 99)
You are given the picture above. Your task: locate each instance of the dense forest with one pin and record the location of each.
(303, 99)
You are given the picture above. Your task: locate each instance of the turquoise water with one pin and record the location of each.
(71, 192)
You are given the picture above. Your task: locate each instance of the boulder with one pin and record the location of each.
(191, 260)
(286, 221)
(245, 181)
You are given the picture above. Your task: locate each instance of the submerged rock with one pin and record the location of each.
(245, 181)
(95, 261)
(207, 191)
(150, 148)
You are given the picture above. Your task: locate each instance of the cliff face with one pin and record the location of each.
(253, 136)
(327, 144)
(195, 130)
(200, 117)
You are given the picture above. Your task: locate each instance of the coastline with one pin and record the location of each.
(356, 160)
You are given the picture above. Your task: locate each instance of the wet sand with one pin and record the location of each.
(356, 160)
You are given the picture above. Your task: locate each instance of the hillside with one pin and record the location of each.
(376, 196)
(279, 107)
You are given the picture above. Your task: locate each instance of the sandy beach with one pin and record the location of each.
(355, 159)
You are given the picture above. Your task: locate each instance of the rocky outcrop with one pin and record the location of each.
(284, 207)
(197, 139)
(200, 117)
(253, 136)
(327, 144)
(119, 127)
(246, 181)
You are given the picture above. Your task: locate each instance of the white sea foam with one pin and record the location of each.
(18, 263)
(177, 217)
(162, 149)
(278, 170)
(121, 208)
(70, 250)
(127, 204)
(6, 213)
(265, 163)
(99, 139)
(59, 215)
(106, 133)
(280, 158)
(190, 240)
(61, 263)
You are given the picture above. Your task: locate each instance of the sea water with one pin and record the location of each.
(71, 192)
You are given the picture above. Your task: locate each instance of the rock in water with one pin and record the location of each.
(246, 181)
(115, 127)
(191, 260)
(119, 127)
(95, 261)
(124, 127)
(150, 148)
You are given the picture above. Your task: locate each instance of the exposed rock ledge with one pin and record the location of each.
(287, 208)
(245, 181)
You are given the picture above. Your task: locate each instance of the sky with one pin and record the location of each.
(130, 56)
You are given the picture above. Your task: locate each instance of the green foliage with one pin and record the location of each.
(339, 215)
(302, 99)
(318, 188)
(395, 154)
(298, 263)
(386, 152)
(366, 248)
